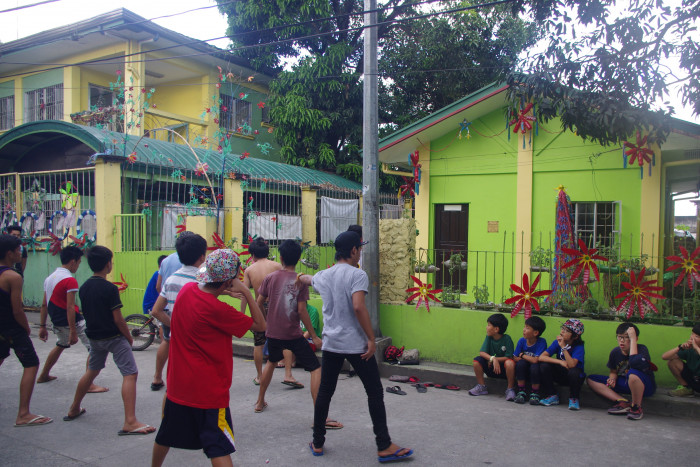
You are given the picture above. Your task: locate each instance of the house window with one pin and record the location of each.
(101, 97)
(44, 104)
(235, 114)
(266, 115)
(104, 105)
(597, 223)
(7, 113)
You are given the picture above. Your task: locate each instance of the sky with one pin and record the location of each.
(203, 24)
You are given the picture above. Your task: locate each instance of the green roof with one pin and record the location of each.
(151, 152)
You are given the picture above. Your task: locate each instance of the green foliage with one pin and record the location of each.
(541, 257)
(481, 294)
(682, 227)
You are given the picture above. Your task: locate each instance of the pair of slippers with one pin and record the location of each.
(450, 387)
(391, 457)
(403, 379)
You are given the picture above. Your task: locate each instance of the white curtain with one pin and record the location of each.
(289, 227)
(336, 216)
(264, 225)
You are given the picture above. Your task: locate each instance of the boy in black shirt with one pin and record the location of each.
(108, 333)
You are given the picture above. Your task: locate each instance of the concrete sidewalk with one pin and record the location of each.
(445, 428)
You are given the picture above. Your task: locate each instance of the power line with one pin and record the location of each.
(28, 6)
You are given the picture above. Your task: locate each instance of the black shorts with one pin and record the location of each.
(259, 338)
(300, 347)
(186, 427)
(488, 370)
(18, 340)
(692, 380)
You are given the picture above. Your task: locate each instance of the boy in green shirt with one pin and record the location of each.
(684, 363)
(495, 357)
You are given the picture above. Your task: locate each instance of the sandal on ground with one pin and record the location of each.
(395, 390)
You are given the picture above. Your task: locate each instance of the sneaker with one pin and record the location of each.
(510, 394)
(621, 407)
(478, 390)
(682, 391)
(534, 399)
(521, 397)
(635, 413)
(551, 400)
(574, 405)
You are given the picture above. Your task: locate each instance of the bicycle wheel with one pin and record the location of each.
(142, 330)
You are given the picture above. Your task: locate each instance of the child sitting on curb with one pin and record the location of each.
(630, 373)
(496, 350)
(527, 365)
(565, 365)
(684, 363)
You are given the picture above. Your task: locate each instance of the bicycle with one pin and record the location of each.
(142, 329)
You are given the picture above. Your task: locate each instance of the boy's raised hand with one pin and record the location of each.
(631, 334)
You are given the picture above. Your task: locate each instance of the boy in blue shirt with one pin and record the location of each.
(630, 373)
(565, 365)
(526, 357)
(496, 350)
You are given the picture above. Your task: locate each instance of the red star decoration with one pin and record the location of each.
(523, 122)
(526, 297)
(584, 259)
(689, 264)
(408, 187)
(423, 292)
(639, 151)
(261, 105)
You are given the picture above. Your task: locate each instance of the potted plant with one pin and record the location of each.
(422, 266)
(450, 297)
(540, 260)
(455, 263)
(481, 295)
(311, 258)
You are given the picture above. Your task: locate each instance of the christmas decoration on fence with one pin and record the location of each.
(423, 292)
(131, 159)
(121, 285)
(464, 127)
(639, 152)
(55, 225)
(562, 288)
(583, 260)
(89, 213)
(264, 148)
(637, 294)
(31, 240)
(201, 168)
(522, 122)
(54, 243)
(69, 196)
(526, 298)
(80, 241)
(37, 194)
(689, 265)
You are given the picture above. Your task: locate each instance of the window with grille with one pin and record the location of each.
(597, 223)
(266, 115)
(7, 112)
(44, 104)
(234, 113)
(104, 103)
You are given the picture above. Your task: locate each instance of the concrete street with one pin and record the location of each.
(443, 427)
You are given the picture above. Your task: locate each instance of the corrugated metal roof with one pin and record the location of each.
(177, 156)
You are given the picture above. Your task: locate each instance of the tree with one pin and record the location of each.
(607, 83)
(316, 107)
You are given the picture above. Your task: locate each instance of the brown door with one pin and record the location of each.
(451, 221)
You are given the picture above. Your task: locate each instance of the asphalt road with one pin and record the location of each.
(443, 427)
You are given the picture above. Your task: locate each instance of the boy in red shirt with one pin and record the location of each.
(196, 413)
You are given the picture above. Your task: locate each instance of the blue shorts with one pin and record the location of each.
(622, 386)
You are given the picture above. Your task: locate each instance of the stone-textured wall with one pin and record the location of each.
(397, 240)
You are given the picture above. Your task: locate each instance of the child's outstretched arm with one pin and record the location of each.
(673, 353)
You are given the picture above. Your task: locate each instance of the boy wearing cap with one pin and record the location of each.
(196, 414)
(348, 335)
(562, 363)
(684, 363)
(630, 373)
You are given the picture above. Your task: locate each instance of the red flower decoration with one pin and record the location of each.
(54, 243)
(79, 242)
(122, 286)
(523, 122)
(639, 151)
(180, 228)
(218, 242)
(584, 258)
(423, 292)
(688, 264)
(261, 105)
(638, 293)
(527, 297)
(132, 158)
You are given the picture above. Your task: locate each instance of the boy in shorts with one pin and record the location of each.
(108, 334)
(496, 350)
(196, 414)
(630, 373)
(286, 307)
(14, 329)
(684, 363)
(526, 357)
(60, 289)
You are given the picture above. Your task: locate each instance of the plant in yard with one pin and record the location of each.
(481, 294)
(540, 259)
(451, 297)
(311, 257)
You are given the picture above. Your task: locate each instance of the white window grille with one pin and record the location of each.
(7, 112)
(597, 223)
(236, 115)
(44, 104)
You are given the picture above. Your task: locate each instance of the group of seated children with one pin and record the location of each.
(631, 369)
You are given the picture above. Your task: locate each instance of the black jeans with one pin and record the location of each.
(551, 373)
(525, 370)
(369, 375)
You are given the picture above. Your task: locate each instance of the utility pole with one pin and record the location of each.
(370, 161)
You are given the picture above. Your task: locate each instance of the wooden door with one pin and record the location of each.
(451, 222)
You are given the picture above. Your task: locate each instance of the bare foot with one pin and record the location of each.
(138, 428)
(95, 388)
(40, 380)
(395, 451)
(32, 420)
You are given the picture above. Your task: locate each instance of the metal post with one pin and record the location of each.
(370, 161)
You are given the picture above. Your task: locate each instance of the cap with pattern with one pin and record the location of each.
(220, 266)
(574, 326)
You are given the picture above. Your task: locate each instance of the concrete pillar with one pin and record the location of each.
(308, 215)
(71, 92)
(204, 226)
(523, 221)
(108, 202)
(233, 216)
(423, 208)
(650, 219)
(19, 102)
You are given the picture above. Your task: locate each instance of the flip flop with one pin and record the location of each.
(395, 456)
(157, 386)
(48, 379)
(420, 387)
(395, 390)
(99, 391)
(450, 387)
(333, 425)
(68, 418)
(294, 384)
(261, 410)
(315, 453)
(256, 382)
(429, 384)
(137, 431)
(413, 379)
(398, 378)
(35, 421)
